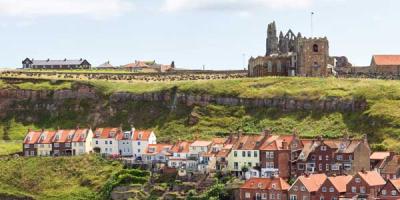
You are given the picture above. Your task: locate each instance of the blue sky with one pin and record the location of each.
(214, 33)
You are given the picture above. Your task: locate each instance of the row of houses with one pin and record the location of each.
(362, 185)
(109, 141)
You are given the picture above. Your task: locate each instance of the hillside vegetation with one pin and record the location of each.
(380, 120)
(81, 177)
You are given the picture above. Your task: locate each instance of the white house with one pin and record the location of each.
(82, 141)
(105, 141)
(180, 157)
(125, 143)
(140, 140)
(157, 153)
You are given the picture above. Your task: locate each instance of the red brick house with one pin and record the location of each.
(306, 187)
(386, 64)
(333, 157)
(391, 190)
(333, 188)
(29, 145)
(62, 142)
(277, 154)
(387, 164)
(365, 185)
(264, 188)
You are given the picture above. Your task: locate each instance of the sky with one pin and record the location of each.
(219, 34)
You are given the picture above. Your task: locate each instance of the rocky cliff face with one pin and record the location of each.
(49, 100)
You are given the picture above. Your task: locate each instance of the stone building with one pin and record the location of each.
(292, 55)
(386, 64)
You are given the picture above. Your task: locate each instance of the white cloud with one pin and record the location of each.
(98, 9)
(235, 5)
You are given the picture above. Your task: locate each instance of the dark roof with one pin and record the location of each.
(58, 62)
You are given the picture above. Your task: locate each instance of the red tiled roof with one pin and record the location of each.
(248, 142)
(144, 135)
(372, 178)
(340, 182)
(266, 184)
(379, 155)
(32, 137)
(80, 135)
(218, 140)
(104, 133)
(63, 136)
(181, 147)
(152, 149)
(46, 137)
(386, 60)
(312, 182)
(396, 183)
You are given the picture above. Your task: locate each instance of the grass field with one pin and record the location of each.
(70, 178)
(8, 147)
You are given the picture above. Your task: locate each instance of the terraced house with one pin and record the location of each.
(333, 156)
(62, 142)
(105, 140)
(29, 145)
(45, 143)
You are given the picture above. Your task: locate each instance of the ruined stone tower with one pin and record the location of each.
(272, 40)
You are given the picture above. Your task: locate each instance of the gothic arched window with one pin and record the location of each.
(269, 69)
(279, 66)
(315, 48)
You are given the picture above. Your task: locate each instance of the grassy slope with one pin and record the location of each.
(55, 178)
(379, 121)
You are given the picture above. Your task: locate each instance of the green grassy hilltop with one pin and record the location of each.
(380, 120)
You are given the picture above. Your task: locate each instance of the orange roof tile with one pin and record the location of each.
(396, 183)
(386, 60)
(46, 137)
(218, 140)
(63, 136)
(266, 184)
(152, 149)
(105, 133)
(340, 182)
(312, 182)
(181, 147)
(141, 135)
(248, 142)
(80, 135)
(379, 155)
(32, 137)
(372, 178)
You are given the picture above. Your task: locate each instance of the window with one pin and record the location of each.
(26, 146)
(295, 188)
(312, 157)
(331, 189)
(293, 197)
(358, 180)
(249, 164)
(323, 189)
(394, 192)
(138, 143)
(110, 142)
(243, 154)
(269, 69)
(339, 157)
(278, 196)
(271, 196)
(97, 142)
(274, 186)
(56, 145)
(319, 157)
(326, 157)
(383, 192)
(263, 196)
(323, 148)
(300, 166)
(249, 154)
(327, 167)
(255, 154)
(235, 153)
(67, 144)
(320, 167)
(353, 189)
(279, 66)
(321, 198)
(247, 195)
(302, 188)
(315, 48)
(106, 142)
(236, 165)
(362, 190)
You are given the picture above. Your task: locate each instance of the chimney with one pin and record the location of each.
(391, 155)
(363, 170)
(284, 144)
(319, 138)
(48, 59)
(240, 133)
(80, 59)
(365, 139)
(65, 60)
(267, 132)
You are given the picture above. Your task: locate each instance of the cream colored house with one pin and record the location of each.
(82, 141)
(245, 153)
(44, 143)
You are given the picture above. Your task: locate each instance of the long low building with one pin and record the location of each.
(55, 64)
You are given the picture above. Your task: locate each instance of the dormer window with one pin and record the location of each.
(273, 186)
(260, 185)
(140, 136)
(28, 138)
(152, 150)
(57, 137)
(342, 146)
(112, 134)
(69, 136)
(323, 148)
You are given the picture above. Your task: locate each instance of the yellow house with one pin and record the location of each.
(245, 153)
(44, 143)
